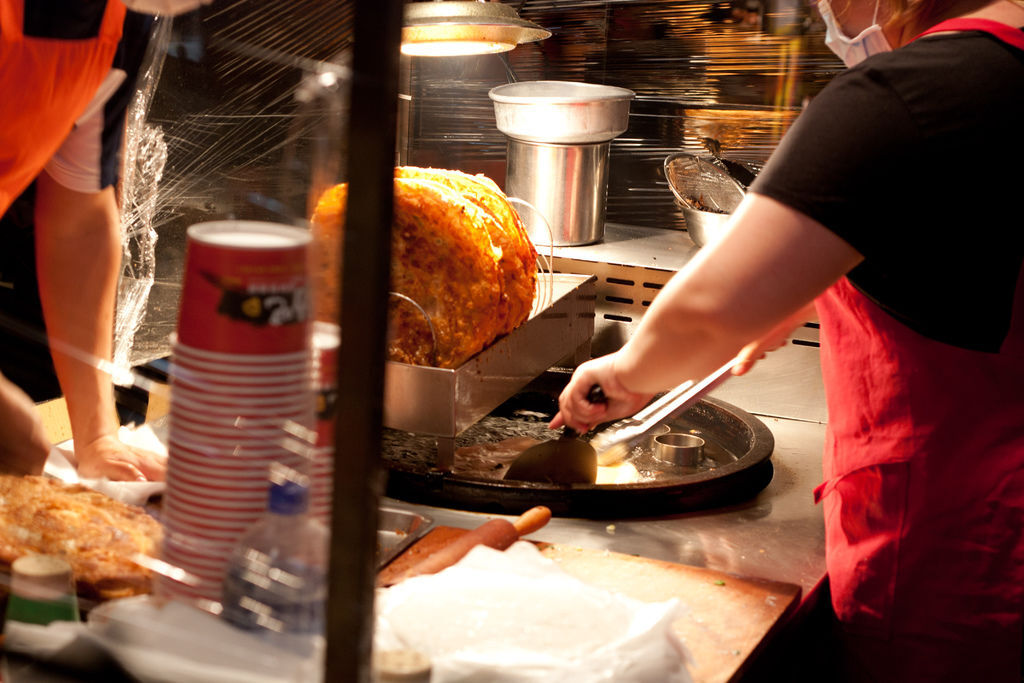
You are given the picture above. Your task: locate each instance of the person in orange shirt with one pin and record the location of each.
(63, 132)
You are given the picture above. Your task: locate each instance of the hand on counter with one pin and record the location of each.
(108, 457)
(23, 443)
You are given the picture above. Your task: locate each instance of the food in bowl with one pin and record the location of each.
(697, 204)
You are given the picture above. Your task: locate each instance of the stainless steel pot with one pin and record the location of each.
(559, 138)
(561, 112)
(566, 184)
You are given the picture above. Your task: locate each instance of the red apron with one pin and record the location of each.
(924, 489)
(47, 84)
(923, 495)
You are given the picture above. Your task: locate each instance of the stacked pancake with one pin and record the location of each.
(458, 250)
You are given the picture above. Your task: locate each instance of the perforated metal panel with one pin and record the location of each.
(625, 292)
(623, 295)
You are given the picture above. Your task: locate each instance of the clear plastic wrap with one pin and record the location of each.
(145, 156)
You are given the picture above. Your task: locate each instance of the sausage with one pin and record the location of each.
(497, 533)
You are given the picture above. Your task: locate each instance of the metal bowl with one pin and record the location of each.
(561, 112)
(704, 226)
(701, 183)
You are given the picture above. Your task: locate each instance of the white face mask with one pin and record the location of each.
(852, 51)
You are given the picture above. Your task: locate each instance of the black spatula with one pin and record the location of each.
(565, 460)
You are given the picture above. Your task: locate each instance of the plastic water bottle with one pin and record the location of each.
(276, 579)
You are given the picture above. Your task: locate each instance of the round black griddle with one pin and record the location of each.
(736, 467)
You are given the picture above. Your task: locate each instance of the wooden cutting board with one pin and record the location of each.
(727, 619)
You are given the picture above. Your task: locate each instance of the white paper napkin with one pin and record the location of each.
(62, 465)
(516, 616)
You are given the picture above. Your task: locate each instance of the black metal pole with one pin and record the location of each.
(366, 269)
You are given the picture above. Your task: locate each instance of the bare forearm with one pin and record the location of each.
(733, 292)
(747, 287)
(23, 443)
(78, 258)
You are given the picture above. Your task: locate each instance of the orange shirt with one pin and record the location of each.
(47, 82)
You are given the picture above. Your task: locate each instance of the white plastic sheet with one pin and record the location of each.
(516, 617)
(169, 642)
(162, 642)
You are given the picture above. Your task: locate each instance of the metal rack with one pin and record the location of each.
(443, 402)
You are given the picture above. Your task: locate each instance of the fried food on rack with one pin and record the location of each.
(458, 252)
(443, 261)
(328, 224)
(518, 260)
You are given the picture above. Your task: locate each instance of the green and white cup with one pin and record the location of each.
(42, 591)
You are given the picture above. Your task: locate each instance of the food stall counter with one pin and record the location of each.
(778, 536)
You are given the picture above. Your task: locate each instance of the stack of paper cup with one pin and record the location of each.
(241, 394)
(326, 341)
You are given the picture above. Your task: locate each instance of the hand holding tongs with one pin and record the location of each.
(614, 443)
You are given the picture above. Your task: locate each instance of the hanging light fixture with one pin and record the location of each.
(464, 27)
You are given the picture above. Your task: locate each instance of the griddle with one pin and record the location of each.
(736, 468)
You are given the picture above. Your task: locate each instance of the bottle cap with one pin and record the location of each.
(400, 666)
(288, 498)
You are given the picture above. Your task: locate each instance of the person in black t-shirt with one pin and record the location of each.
(890, 205)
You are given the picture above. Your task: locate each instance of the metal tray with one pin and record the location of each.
(396, 531)
(444, 402)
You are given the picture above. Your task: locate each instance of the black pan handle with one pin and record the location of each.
(594, 395)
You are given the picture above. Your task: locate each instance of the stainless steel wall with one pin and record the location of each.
(736, 71)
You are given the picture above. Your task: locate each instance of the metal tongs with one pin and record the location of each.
(614, 443)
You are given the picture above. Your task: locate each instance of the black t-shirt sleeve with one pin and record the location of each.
(840, 162)
(912, 158)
